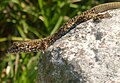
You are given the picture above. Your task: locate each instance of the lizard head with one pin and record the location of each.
(18, 47)
(28, 46)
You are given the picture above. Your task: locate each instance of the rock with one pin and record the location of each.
(89, 53)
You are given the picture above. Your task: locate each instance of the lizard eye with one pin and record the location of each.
(15, 43)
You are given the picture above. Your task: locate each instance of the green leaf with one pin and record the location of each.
(57, 25)
(15, 1)
(3, 39)
(21, 31)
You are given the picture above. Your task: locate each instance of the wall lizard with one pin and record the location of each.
(42, 44)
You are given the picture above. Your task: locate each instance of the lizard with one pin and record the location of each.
(42, 44)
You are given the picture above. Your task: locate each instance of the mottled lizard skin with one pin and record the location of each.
(42, 44)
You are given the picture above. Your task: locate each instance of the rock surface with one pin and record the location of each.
(90, 53)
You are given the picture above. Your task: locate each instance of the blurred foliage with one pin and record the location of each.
(31, 19)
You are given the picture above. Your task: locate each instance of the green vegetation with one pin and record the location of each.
(31, 19)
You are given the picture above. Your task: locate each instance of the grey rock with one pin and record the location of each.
(90, 53)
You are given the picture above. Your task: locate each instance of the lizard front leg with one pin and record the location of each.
(98, 17)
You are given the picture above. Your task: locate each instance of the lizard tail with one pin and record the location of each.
(106, 6)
